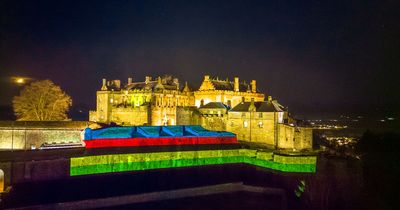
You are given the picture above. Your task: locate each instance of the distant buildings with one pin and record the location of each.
(217, 105)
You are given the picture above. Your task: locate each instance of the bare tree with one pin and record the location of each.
(42, 101)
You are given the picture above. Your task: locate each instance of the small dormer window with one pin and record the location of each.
(245, 124)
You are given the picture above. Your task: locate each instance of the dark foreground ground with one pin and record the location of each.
(336, 185)
(240, 200)
(141, 183)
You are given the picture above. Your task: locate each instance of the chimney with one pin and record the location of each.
(147, 79)
(236, 84)
(252, 107)
(129, 80)
(117, 83)
(186, 88)
(104, 86)
(253, 86)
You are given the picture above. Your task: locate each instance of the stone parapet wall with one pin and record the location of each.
(23, 139)
(146, 161)
(28, 135)
(291, 137)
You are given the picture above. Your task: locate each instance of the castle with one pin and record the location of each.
(217, 105)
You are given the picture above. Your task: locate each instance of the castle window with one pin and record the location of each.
(260, 115)
(260, 124)
(243, 114)
(245, 124)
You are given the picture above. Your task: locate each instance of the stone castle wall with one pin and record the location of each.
(291, 137)
(131, 116)
(253, 127)
(21, 135)
(187, 115)
(23, 139)
(230, 98)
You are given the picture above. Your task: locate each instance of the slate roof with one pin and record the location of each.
(150, 85)
(263, 106)
(215, 105)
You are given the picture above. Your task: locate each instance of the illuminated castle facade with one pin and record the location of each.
(227, 92)
(217, 105)
(152, 102)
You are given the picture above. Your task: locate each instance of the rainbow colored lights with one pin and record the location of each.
(158, 160)
(134, 136)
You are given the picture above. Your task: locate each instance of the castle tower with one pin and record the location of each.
(253, 86)
(236, 84)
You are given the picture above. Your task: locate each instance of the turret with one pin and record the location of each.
(147, 80)
(186, 88)
(159, 85)
(253, 86)
(236, 84)
(129, 80)
(104, 86)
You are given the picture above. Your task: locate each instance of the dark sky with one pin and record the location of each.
(310, 55)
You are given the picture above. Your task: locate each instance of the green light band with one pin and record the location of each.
(295, 159)
(145, 161)
(139, 166)
(156, 156)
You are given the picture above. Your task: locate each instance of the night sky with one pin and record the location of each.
(313, 56)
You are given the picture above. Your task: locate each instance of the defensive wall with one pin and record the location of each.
(20, 135)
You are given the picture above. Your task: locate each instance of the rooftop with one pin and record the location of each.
(265, 106)
(215, 105)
